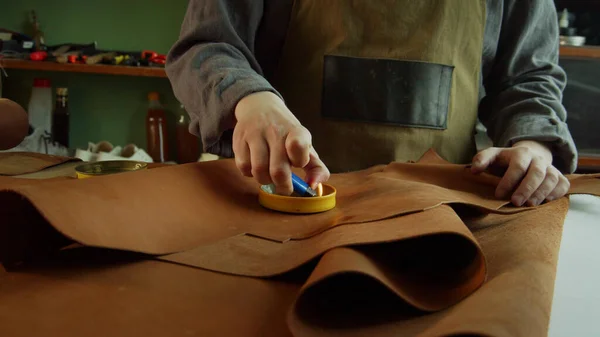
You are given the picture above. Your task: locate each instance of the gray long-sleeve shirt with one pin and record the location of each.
(229, 49)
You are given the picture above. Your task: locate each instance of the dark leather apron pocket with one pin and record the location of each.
(407, 93)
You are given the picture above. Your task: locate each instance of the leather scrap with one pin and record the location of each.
(584, 184)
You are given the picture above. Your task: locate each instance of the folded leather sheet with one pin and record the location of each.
(419, 249)
(94, 292)
(521, 252)
(16, 163)
(194, 204)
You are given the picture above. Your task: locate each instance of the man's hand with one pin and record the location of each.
(268, 140)
(529, 177)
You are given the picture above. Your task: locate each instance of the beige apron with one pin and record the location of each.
(384, 80)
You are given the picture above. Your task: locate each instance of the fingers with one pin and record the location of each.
(316, 171)
(268, 157)
(536, 181)
(268, 140)
(517, 168)
(279, 166)
(548, 185)
(259, 157)
(242, 156)
(561, 188)
(298, 145)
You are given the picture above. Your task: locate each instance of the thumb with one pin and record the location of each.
(316, 171)
(484, 159)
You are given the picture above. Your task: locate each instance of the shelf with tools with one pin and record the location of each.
(566, 51)
(83, 68)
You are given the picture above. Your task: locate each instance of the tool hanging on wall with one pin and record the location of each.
(39, 38)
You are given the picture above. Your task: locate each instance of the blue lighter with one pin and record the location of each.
(301, 187)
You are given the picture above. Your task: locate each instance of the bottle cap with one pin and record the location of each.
(62, 91)
(325, 201)
(101, 168)
(153, 96)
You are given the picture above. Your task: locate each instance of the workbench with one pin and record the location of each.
(576, 303)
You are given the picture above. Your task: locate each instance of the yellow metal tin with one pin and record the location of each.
(108, 167)
(303, 205)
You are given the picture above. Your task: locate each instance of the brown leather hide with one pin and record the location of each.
(412, 249)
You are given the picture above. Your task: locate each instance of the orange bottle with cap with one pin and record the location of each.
(156, 130)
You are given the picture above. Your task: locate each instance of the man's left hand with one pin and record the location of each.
(529, 177)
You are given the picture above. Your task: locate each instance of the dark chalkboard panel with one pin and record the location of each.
(582, 100)
(585, 18)
(578, 4)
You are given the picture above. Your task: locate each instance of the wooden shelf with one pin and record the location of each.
(565, 51)
(585, 51)
(589, 161)
(84, 68)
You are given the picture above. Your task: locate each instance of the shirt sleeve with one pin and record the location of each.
(524, 88)
(212, 66)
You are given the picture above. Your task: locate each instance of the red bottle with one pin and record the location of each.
(156, 130)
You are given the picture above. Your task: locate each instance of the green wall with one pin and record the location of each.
(103, 107)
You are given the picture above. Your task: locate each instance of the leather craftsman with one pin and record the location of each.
(418, 249)
(402, 95)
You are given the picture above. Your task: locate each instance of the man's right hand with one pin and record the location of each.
(268, 140)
